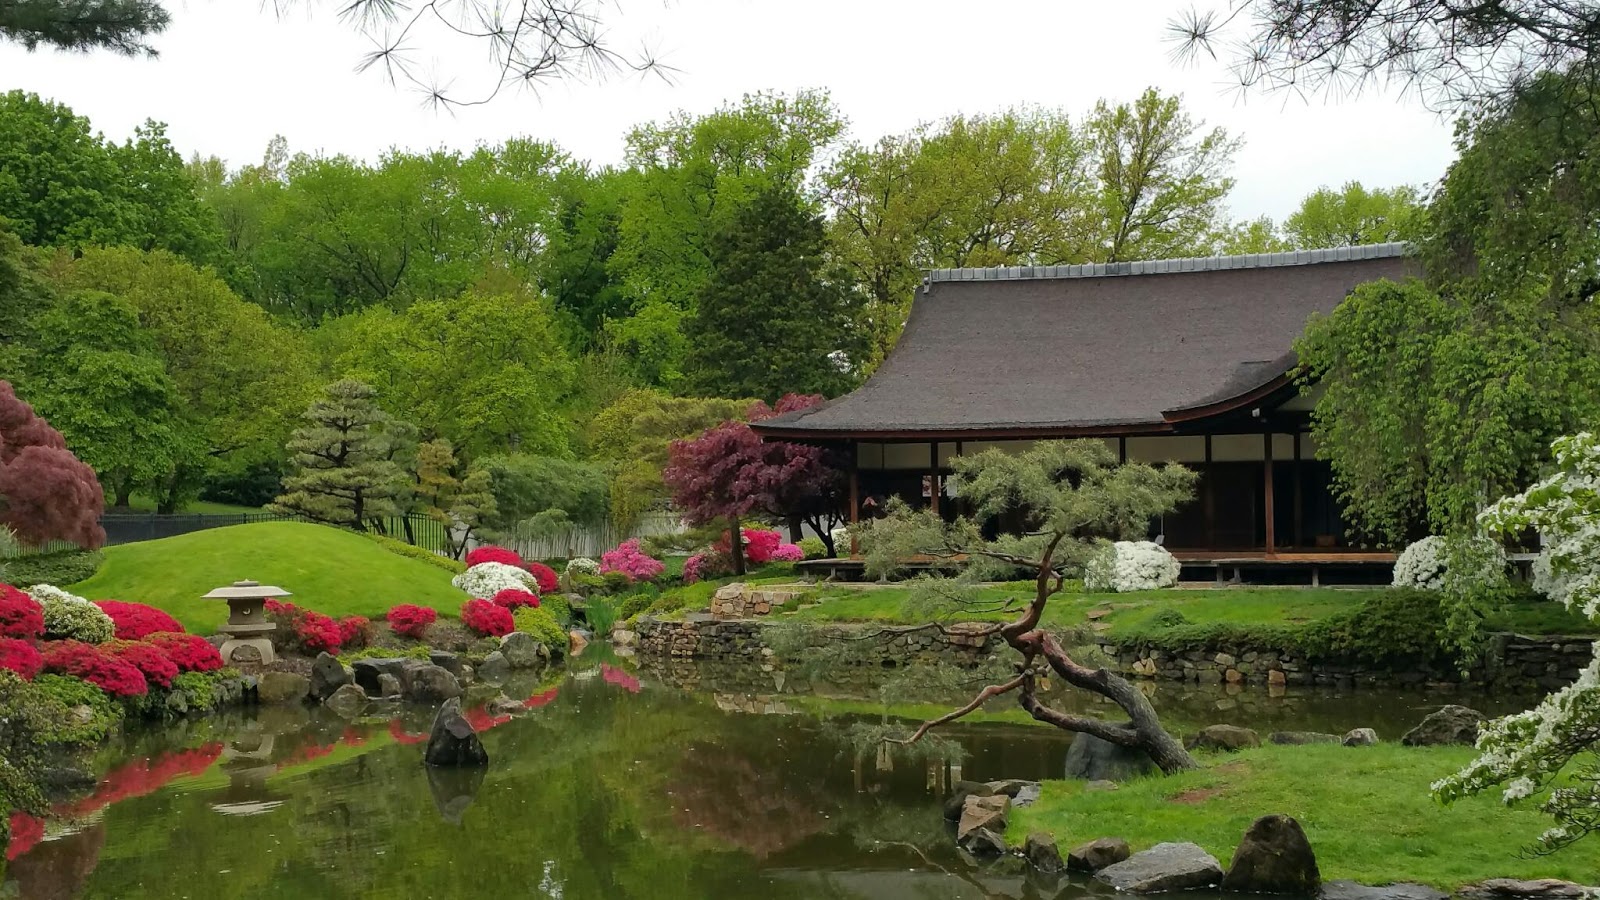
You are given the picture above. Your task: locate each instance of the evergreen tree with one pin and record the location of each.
(346, 459)
(771, 321)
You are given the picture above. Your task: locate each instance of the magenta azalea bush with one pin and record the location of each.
(628, 559)
(788, 553)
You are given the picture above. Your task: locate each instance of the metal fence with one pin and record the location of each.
(590, 540)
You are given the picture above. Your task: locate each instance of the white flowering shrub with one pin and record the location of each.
(582, 565)
(70, 617)
(484, 580)
(1425, 563)
(1130, 566)
(1524, 754)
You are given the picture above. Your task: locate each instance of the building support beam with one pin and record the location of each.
(1299, 503)
(855, 498)
(1266, 442)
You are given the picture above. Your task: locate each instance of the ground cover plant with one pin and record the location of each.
(335, 572)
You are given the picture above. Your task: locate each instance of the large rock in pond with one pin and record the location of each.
(521, 651)
(959, 794)
(367, 671)
(1298, 738)
(428, 683)
(1514, 889)
(1092, 759)
(494, 667)
(390, 686)
(453, 742)
(1230, 738)
(1164, 867)
(327, 676)
(282, 687)
(1449, 725)
(983, 842)
(1350, 890)
(347, 702)
(1273, 858)
(1041, 852)
(1097, 854)
(983, 812)
(450, 662)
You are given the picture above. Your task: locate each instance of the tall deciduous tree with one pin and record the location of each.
(771, 320)
(633, 436)
(346, 473)
(46, 493)
(1353, 215)
(1071, 497)
(462, 502)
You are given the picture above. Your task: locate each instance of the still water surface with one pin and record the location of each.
(613, 783)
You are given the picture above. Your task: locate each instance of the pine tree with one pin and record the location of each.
(772, 320)
(346, 456)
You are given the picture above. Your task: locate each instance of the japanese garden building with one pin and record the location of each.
(1185, 360)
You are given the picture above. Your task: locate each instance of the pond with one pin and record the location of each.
(615, 783)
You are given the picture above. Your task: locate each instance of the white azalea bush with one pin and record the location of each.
(70, 617)
(1524, 753)
(1126, 566)
(484, 580)
(582, 565)
(1425, 564)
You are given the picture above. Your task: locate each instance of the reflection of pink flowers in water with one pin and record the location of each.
(613, 675)
(26, 831)
(538, 700)
(480, 720)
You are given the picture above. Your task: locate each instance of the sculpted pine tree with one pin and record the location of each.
(1069, 497)
(347, 473)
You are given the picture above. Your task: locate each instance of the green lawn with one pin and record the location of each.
(1366, 811)
(329, 570)
(141, 503)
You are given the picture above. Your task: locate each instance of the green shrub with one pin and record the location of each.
(601, 614)
(1395, 625)
(635, 604)
(543, 627)
(453, 566)
(616, 582)
(585, 584)
(67, 567)
(410, 651)
(68, 693)
(559, 608)
(813, 548)
(1168, 618)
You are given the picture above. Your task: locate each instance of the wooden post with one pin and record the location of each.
(1299, 509)
(1266, 443)
(1208, 489)
(933, 476)
(855, 496)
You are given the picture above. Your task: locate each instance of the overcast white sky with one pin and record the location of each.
(230, 76)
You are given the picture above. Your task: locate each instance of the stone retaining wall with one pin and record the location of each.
(738, 601)
(1511, 662)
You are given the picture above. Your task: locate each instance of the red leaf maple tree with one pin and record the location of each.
(46, 493)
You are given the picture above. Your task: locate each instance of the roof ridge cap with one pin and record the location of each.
(1168, 266)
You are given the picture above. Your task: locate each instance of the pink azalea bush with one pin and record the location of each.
(788, 553)
(628, 559)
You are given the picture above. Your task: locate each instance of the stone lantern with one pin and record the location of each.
(248, 628)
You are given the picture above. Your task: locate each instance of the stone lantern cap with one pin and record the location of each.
(247, 590)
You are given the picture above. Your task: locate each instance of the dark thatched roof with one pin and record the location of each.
(1069, 349)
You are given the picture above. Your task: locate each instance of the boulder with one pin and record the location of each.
(576, 641)
(327, 676)
(1448, 725)
(983, 812)
(389, 686)
(428, 683)
(1273, 858)
(1022, 793)
(1041, 852)
(282, 687)
(983, 842)
(453, 742)
(504, 706)
(494, 667)
(176, 703)
(347, 702)
(1164, 867)
(1513, 889)
(366, 672)
(521, 651)
(1230, 738)
(959, 794)
(1296, 738)
(450, 662)
(1360, 737)
(1349, 890)
(1097, 854)
(1092, 759)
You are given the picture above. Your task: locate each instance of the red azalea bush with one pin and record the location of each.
(189, 652)
(410, 620)
(136, 621)
(156, 667)
(491, 553)
(511, 598)
(96, 666)
(487, 619)
(631, 561)
(312, 631)
(21, 616)
(760, 544)
(355, 632)
(546, 577)
(20, 657)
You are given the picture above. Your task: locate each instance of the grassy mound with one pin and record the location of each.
(1366, 811)
(335, 572)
